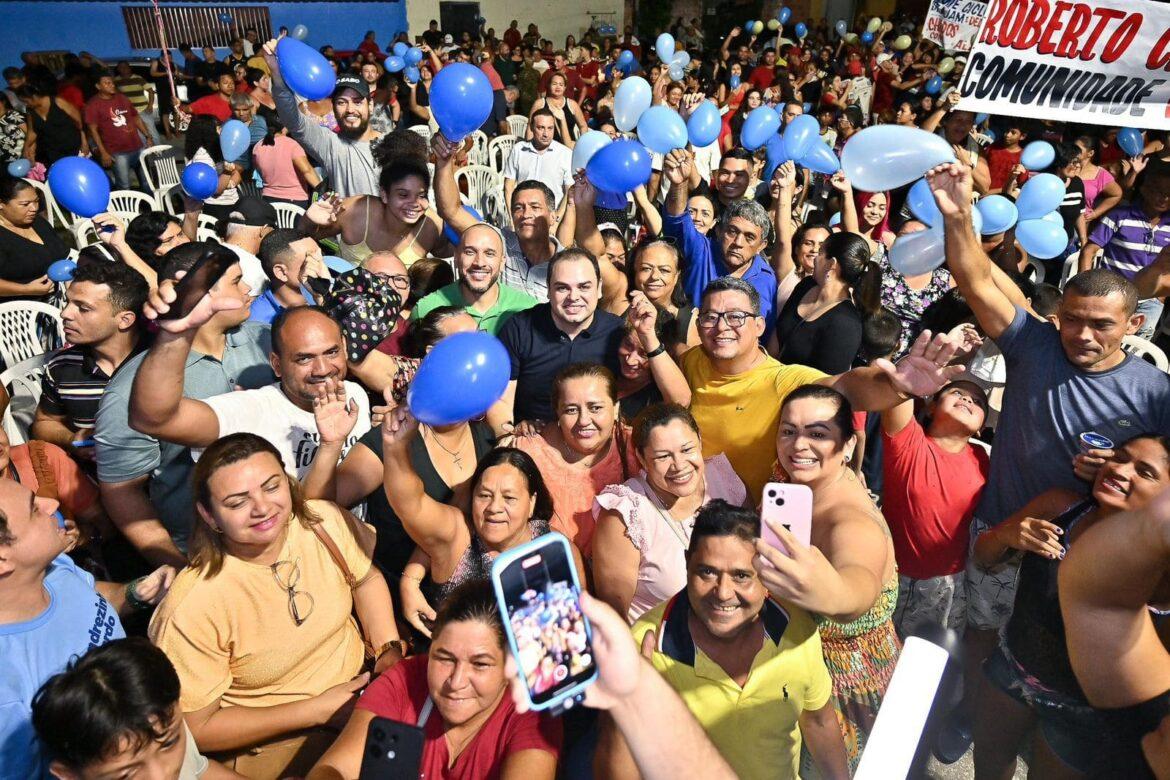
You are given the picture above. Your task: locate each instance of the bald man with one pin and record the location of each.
(479, 259)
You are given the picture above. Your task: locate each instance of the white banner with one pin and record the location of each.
(1105, 62)
(952, 24)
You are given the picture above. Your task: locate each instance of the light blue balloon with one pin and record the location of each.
(395, 63)
(981, 118)
(841, 27)
(999, 214)
(885, 157)
(1039, 195)
(413, 56)
(734, 81)
(703, 126)
(784, 15)
(760, 125)
(662, 130)
(412, 75)
(588, 145)
(632, 99)
(1041, 238)
(625, 59)
(664, 47)
(1054, 217)
(681, 59)
(300, 32)
(399, 49)
(921, 202)
(801, 133)
(19, 168)
(1130, 140)
(233, 139)
(676, 72)
(305, 70)
(621, 167)
(835, 219)
(1037, 156)
(337, 265)
(820, 158)
(914, 254)
(801, 29)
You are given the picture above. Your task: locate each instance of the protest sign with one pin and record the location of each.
(952, 24)
(1106, 62)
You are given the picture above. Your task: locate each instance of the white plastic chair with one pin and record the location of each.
(1069, 270)
(21, 333)
(85, 233)
(128, 204)
(495, 208)
(517, 124)
(498, 150)
(25, 381)
(57, 216)
(169, 198)
(160, 166)
(206, 229)
(287, 214)
(478, 153)
(425, 131)
(480, 179)
(1146, 350)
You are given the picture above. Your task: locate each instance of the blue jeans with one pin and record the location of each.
(123, 162)
(1152, 308)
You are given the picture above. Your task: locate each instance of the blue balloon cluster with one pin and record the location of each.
(459, 379)
(1040, 229)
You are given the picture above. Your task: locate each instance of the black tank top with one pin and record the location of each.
(57, 136)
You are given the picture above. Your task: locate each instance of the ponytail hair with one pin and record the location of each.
(862, 275)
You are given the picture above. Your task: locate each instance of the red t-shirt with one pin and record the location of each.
(71, 93)
(762, 77)
(114, 119)
(1000, 162)
(400, 695)
(394, 343)
(213, 104)
(493, 76)
(929, 496)
(512, 37)
(589, 70)
(883, 92)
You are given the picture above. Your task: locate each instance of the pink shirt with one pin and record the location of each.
(275, 164)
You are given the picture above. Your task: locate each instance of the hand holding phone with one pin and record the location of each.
(394, 751)
(790, 506)
(174, 303)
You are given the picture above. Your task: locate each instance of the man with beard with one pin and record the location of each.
(479, 259)
(346, 156)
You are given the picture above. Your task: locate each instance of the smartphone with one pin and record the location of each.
(540, 600)
(394, 751)
(791, 506)
(208, 269)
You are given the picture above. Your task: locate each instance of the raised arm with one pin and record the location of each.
(317, 140)
(784, 186)
(447, 201)
(665, 372)
(849, 219)
(676, 168)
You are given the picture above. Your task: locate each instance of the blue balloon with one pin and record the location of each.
(1130, 141)
(589, 144)
(461, 100)
(1041, 238)
(412, 75)
(775, 154)
(337, 264)
(200, 181)
(623, 166)
(632, 99)
(304, 69)
(61, 271)
(761, 124)
(784, 15)
(999, 214)
(399, 49)
(1037, 156)
(921, 202)
(841, 27)
(884, 157)
(820, 158)
(747, 28)
(225, 17)
(1054, 217)
(625, 59)
(800, 135)
(990, 134)
(704, 125)
(664, 47)
(801, 29)
(449, 231)
(413, 56)
(981, 118)
(867, 37)
(734, 81)
(934, 85)
(394, 63)
(1039, 195)
(459, 379)
(80, 185)
(662, 130)
(234, 139)
(19, 168)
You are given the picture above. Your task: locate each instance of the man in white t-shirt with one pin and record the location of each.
(308, 356)
(543, 159)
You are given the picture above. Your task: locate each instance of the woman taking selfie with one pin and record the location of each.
(458, 694)
(644, 524)
(847, 577)
(260, 626)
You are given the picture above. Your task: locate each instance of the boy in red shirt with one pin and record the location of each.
(116, 130)
(1003, 157)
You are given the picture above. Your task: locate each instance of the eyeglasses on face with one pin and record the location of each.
(734, 319)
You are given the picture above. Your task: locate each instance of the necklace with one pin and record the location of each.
(456, 457)
(675, 526)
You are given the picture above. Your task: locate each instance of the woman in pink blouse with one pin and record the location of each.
(285, 168)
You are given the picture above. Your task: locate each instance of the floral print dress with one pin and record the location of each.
(908, 304)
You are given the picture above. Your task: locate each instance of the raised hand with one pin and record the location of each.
(1031, 535)
(326, 211)
(950, 184)
(160, 299)
(677, 166)
(443, 149)
(924, 370)
(643, 316)
(841, 183)
(334, 413)
(398, 428)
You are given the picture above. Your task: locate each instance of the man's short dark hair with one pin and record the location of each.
(281, 319)
(881, 332)
(574, 253)
(126, 690)
(274, 247)
(719, 518)
(1101, 283)
(533, 184)
(1046, 299)
(144, 234)
(545, 112)
(184, 46)
(732, 284)
(12, 72)
(737, 153)
(128, 289)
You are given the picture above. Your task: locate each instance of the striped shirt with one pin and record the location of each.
(1131, 242)
(135, 89)
(73, 385)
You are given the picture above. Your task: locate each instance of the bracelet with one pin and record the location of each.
(401, 645)
(132, 595)
(656, 352)
(412, 577)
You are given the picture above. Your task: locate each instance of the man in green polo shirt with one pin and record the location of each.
(749, 669)
(478, 259)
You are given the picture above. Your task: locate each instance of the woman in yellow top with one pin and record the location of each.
(260, 625)
(396, 220)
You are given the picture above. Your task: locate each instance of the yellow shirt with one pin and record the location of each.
(233, 635)
(756, 727)
(738, 414)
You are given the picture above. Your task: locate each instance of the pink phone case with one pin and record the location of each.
(791, 506)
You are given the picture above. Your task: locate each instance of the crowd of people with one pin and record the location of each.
(227, 544)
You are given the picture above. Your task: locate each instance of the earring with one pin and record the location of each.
(848, 458)
(217, 529)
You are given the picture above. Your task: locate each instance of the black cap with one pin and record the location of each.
(253, 212)
(356, 83)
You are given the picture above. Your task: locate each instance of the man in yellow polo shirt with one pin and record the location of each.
(737, 388)
(749, 670)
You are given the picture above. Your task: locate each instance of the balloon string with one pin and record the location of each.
(166, 51)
